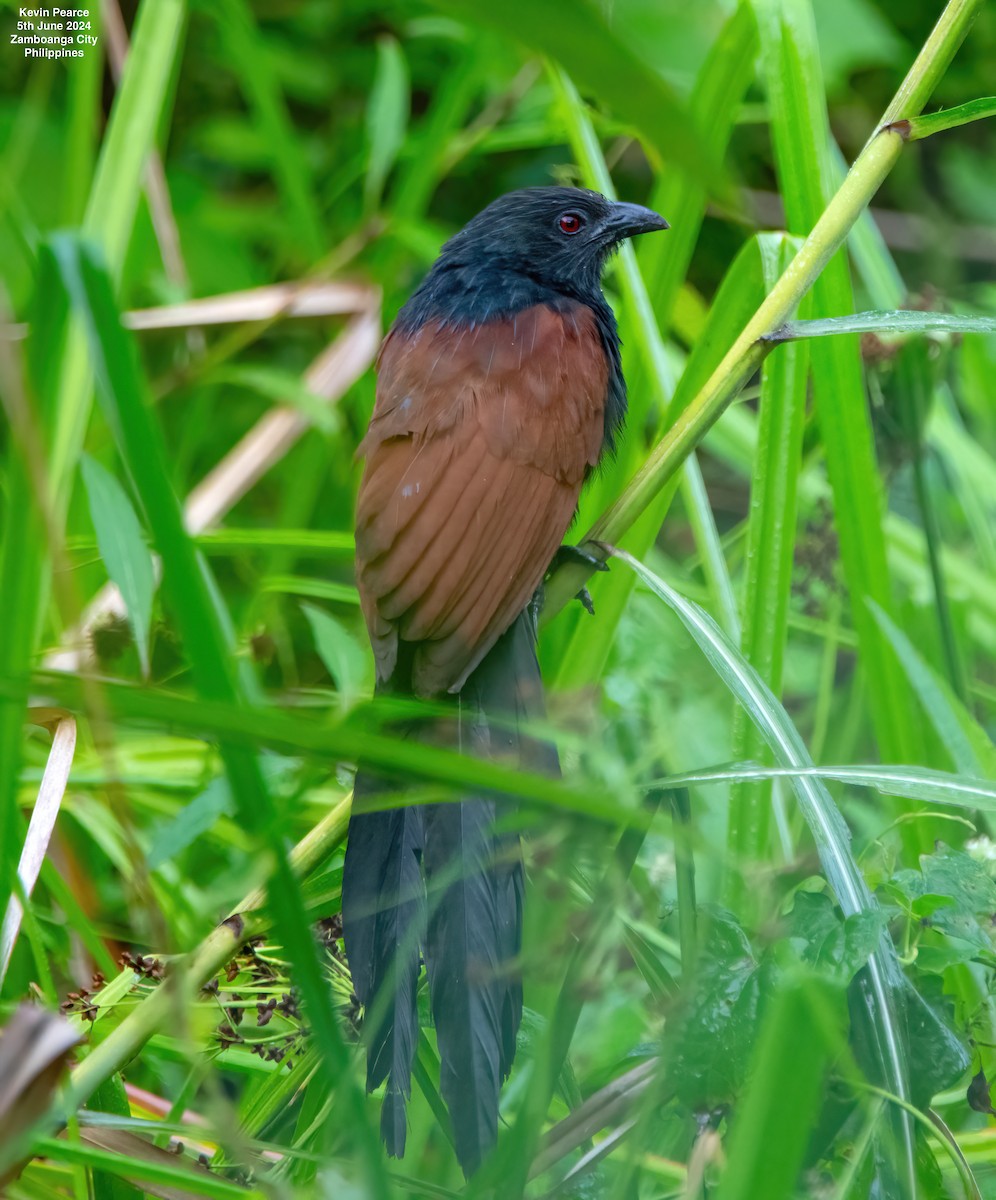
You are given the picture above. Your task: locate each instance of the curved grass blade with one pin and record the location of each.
(830, 833)
(915, 783)
(968, 744)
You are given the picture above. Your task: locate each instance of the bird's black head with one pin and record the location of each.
(559, 236)
(526, 247)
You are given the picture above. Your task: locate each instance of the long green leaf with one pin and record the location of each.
(113, 203)
(927, 124)
(348, 740)
(158, 1170)
(968, 744)
(771, 526)
(784, 1093)
(915, 783)
(53, 402)
(895, 321)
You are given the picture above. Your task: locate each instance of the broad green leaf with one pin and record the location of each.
(966, 893)
(715, 1025)
(835, 946)
(123, 549)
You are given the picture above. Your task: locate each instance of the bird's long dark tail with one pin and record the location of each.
(471, 926)
(383, 916)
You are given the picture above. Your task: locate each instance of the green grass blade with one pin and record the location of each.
(27, 399)
(248, 55)
(769, 557)
(348, 740)
(113, 204)
(970, 747)
(915, 783)
(950, 118)
(159, 1168)
(800, 132)
(679, 194)
(581, 661)
(387, 115)
(131, 131)
(123, 549)
(895, 321)
(578, 650)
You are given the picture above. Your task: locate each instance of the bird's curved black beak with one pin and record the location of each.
(627, 220)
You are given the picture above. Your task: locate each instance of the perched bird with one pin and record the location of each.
(499, 389)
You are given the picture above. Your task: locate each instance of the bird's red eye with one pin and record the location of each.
(570, 222)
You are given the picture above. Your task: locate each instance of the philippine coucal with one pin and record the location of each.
(499, 389)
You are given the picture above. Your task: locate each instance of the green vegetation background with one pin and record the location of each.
(838, 523)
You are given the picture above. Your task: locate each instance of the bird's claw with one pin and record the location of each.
(585, 597)
(579, 556)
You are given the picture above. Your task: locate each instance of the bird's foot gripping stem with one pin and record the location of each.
(579, 556)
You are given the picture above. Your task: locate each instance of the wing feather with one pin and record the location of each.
(477, 450)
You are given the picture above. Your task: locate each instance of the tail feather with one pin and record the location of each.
(383, 914)
(462, 957)
(476, 886)
(471, 928)
(512, 884)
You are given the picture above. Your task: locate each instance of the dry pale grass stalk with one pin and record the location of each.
(53, 787)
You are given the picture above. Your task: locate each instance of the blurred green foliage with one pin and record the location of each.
(311, 143)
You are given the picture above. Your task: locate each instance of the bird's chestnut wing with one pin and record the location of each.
(480, 441)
